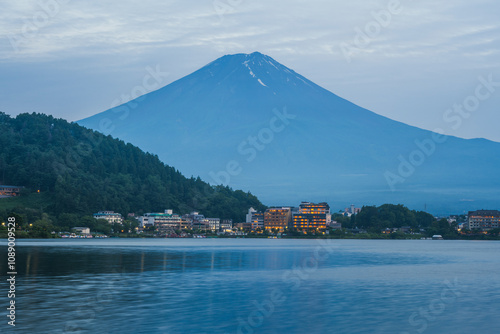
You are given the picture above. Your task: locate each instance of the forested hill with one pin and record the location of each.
(82, 171)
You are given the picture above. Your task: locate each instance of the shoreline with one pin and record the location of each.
(348, 237)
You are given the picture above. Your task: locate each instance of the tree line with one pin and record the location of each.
(374, 219)
(67, 169)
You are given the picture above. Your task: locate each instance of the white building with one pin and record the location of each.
(111, 216)
(255, 218)
(82, 230)
(165, 220)
(352, 210)
(213, 223)
(249, 215)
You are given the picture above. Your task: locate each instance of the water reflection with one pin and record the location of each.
(207, 286)
(63, 261)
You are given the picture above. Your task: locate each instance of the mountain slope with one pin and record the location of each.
(82, 171)
(247, 121)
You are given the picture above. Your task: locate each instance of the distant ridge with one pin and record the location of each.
(248, 121)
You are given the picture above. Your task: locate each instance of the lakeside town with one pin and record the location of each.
(306, 220)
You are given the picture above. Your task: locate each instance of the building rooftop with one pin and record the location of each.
(494, 213)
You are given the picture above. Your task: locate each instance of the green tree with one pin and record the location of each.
(80, 172)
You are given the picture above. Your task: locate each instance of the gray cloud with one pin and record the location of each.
(426, 59)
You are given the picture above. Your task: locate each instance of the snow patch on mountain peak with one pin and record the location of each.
(252, 73)
(303, 81)
(249, 69)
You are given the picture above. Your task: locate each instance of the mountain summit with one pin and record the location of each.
(249, 122)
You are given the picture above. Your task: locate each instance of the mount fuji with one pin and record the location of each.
(249, 122)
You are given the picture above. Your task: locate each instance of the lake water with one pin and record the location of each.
(254, 286)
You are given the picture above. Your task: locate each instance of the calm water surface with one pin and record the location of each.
(254, 286)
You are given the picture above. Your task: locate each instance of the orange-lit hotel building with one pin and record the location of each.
(312, 216)
(277, 218)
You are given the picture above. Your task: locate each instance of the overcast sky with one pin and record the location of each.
(408, 60)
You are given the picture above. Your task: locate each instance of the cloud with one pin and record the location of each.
(433, 48)
(96, 27)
